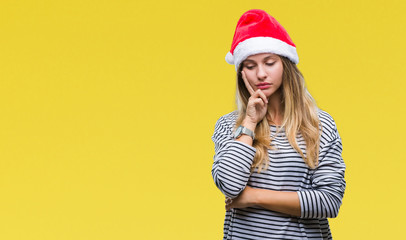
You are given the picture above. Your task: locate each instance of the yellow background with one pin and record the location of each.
(107, 110)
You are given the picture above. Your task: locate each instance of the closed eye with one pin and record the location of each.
(249, 67)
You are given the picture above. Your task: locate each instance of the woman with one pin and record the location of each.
(278, 157)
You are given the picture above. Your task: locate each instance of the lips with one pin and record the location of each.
(263, 85)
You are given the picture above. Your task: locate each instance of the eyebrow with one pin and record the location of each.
(265, 58)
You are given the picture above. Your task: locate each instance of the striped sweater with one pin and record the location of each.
(320, 190)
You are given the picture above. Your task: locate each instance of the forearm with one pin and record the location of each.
(232, 166)
(278, 201)
(232, 160)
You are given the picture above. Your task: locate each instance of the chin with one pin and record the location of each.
(268, 94)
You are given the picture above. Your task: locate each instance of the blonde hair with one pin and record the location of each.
(299, 116)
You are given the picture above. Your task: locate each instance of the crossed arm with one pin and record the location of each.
(284, 202)
(231, 173)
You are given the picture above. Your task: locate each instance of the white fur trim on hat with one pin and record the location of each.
(230, 58)
(258, 45)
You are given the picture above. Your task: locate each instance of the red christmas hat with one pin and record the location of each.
(258, 32)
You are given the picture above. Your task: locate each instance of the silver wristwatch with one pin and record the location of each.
(243, 130)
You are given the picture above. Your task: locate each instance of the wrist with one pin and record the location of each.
(249, 124)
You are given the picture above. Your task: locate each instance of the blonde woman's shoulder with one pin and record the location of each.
(228, 119)
(232, 116)
(328, 125)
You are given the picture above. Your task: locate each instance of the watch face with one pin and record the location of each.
(238, 132)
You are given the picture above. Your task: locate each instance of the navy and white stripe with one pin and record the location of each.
(320, 190)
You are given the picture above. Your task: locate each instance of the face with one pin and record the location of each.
(264, 71)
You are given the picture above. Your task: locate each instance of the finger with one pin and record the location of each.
(263, 96)
(259, 101)
(260, 94)
(247, 84)
(228, 207)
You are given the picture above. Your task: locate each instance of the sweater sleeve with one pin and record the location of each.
(232, 160)
(328, 184)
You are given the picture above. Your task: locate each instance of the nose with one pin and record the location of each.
(261, 73)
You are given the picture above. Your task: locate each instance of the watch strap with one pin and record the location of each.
(243, 130)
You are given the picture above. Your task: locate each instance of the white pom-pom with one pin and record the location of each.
(230, 58)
